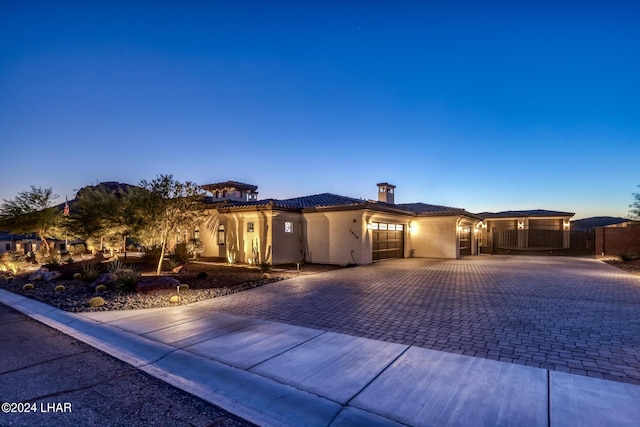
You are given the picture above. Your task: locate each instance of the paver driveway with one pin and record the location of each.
(573, 315)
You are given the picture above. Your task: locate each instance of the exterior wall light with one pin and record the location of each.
(411, 228)
(566, 225)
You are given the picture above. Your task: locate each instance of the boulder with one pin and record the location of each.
(37, 275)
(156, 284)
(51, 275)
(105, 279)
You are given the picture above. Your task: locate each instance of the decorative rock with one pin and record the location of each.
(51, 275)
(37, 275)
(105, 279)
(157, 284)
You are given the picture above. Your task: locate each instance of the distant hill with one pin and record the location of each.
(587, 224)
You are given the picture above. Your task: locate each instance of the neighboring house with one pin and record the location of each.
(526, 230)
(25, 243)
(329, 228)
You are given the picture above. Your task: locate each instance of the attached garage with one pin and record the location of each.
(387, 240)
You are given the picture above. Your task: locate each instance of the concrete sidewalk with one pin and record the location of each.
(273, 373)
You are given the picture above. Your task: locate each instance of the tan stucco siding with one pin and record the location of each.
(337, 237)
(288, 240)
(435, 237)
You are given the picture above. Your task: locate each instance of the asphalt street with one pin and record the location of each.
(48, 378)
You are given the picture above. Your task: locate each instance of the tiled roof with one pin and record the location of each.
(329, 200)
(533, 212)
(320, 200)
(230, 184)
(424, 208)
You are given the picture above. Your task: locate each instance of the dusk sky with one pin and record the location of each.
(516, 105)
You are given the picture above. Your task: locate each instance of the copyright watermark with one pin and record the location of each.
(33, 407)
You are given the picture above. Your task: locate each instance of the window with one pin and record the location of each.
(288, 227)
(8, 246)
(221, 235)
(250, 227)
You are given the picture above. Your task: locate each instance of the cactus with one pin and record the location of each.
(59, 288)
(96, 302)
(28, 287)
(101, 288)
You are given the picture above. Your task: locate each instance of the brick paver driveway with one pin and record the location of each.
(573, 315)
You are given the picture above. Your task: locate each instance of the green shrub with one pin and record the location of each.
(28, 287)
(181, 252)
(90, 272)
(202, 275)
(115, 266)
(78, 249)
(152, 255)
(59, 288)
(265, 266)
(101, 288)
(184, 287)
(127, 280)
(96, 302)
(170, 264)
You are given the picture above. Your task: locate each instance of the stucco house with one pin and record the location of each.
(329, 228)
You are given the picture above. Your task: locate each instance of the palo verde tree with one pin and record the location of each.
(169, 205)
(32, 211)
(634, 208)
(101, 213)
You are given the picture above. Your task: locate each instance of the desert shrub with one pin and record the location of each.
(181, 253)
(202, 275)
(115, 266)
(28, 287)
(170, 264)
(77, 276)
(266, 276)
(152, 255)
(90, 272)
(175, 299)
(78, 249)
(101, 288)
(96, 302)
(265, 266)
(59, 288)
(127, 280)
(183, 287)
(70, 260)
(195, 247)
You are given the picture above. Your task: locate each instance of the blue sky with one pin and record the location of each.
(512, 105)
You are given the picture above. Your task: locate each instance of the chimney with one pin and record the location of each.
(385, 192)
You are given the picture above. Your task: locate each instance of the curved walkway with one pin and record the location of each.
(574, 315)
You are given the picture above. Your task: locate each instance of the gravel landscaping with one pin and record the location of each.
(220, 280)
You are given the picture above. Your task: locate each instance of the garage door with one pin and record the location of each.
(388, 241)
